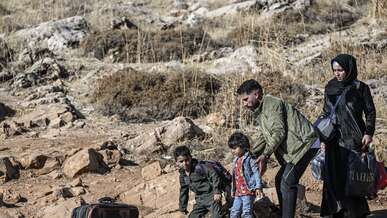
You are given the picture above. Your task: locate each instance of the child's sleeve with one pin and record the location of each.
(214, 179)
(256, 174)
(184, 192)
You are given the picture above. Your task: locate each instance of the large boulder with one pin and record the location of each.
(41, 72)
(163, 137)
(48, 115)
(244, 59)
(139, 15)
(86, 160)
(234, 8)
(156, 193)
(57, 35)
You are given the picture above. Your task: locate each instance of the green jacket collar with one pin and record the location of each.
(258, 110)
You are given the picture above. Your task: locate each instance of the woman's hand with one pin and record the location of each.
(367, 139)
(323, 146)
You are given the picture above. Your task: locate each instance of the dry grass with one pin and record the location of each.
(143, 97)
(6, 54)
(371, 61)
(143, 47)
(285, 29)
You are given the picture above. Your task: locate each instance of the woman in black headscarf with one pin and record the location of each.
(353, 134)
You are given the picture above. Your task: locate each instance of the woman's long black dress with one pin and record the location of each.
(352, 128)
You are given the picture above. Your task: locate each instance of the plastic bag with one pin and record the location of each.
(382, 176)
(362, 174)
(317, 164)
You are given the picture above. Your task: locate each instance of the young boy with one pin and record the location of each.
(246, 182)
(202, 180)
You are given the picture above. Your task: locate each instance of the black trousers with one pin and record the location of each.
(205, 204)
(287, 179)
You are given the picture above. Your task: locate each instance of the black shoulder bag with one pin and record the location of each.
(326, 125)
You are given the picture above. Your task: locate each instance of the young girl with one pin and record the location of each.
(246, 182)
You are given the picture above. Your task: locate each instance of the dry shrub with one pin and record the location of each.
(335, 13)
(139, 46)
(371, 59)
(378, 9)
(3, 10)
(6, 54)
(143, 97)
(285, 29)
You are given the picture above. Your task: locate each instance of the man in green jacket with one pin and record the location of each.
(284, 131)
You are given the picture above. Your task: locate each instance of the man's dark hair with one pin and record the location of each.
(238, 139)
(248, 86)
(182, 151)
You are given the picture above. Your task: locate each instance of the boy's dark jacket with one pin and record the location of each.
(204, 183)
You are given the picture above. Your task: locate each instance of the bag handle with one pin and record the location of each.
(108, 200)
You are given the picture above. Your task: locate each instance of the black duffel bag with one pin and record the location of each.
(105, 208)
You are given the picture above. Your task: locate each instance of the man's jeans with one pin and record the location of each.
(287, 179)
(242, 205)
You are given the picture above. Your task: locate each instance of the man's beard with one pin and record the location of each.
(255, 105)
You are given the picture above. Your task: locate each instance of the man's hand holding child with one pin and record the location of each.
(218, 197)
(259, 193)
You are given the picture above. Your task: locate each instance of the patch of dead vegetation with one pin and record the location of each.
(143, 97)
(3, 10)
(6, 54)
(147, 47)
(292, 27)
(371, 59)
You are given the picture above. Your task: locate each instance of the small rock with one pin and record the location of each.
(77, 191)
(76, 182)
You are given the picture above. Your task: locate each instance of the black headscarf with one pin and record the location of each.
(348, 63)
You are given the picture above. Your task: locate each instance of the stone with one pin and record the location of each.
(111, 157)
(56, 123)
(62, 209)
(86, 160)
(50, 165)
(234, 8)
(7, 170)
(244, 59)
(67, 117)
(151, 171)
(170, 133)
(13, 128)
(77, 191)
(57, 35)
(33, 161)
(76, 182)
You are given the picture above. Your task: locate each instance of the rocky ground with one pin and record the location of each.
(94, 96)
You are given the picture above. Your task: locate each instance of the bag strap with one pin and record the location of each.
(356, 83)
